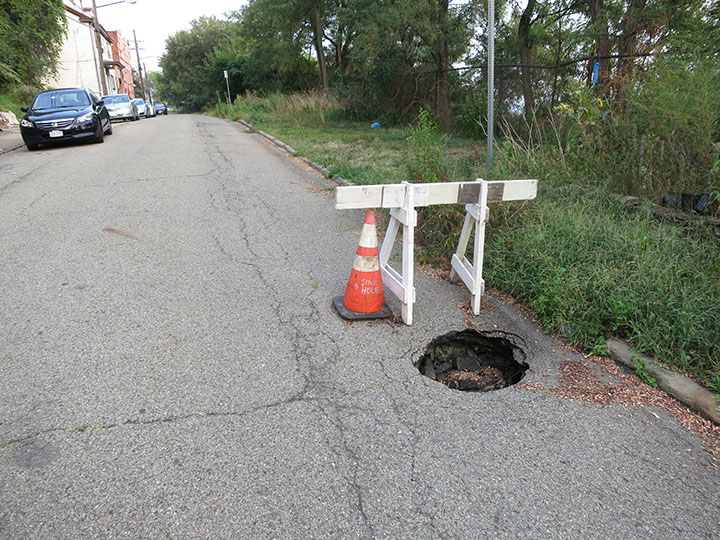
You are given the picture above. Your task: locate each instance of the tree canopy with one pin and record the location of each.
(395, 56)
(31, 32)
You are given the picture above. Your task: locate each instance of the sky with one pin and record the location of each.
(155, 20)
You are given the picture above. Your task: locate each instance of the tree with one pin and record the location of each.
(186, 81)
(31, 32)
(526, 20)
(289, 27)
(403, 50)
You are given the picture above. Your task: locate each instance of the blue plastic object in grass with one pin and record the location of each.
(375, 125)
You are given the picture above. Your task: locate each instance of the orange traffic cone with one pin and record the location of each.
(364, 295)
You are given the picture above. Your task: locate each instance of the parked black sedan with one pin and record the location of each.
(62, 115)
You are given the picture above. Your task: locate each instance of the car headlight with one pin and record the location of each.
(84, 118)
(26, 123)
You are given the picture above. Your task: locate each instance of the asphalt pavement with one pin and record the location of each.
(173, 368)
(10, 139)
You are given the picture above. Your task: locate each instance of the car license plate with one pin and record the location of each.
(56, 133)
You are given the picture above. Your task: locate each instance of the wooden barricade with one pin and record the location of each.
(403, 199)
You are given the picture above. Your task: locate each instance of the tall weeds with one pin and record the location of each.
(659, 140)
(304, 106)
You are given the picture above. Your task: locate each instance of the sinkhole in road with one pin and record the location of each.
(474, 361)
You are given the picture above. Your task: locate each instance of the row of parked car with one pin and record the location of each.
(121, 107)
(79, 114)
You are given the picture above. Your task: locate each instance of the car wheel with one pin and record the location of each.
(109, 131)
(100, 137)
(31, 146)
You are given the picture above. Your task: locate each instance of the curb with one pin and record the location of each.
(678, 386)
(8, 150)
(290, 150)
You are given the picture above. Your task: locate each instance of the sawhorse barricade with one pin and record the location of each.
(403, 199)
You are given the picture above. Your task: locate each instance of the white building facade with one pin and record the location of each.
(79, 64)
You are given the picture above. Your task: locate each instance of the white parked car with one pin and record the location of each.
(142, 109)
(121, 107)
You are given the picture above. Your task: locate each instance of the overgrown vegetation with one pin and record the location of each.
(587, 266)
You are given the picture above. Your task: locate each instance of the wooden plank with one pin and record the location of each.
(408, 258)
(473, 210)
(389, 241)
(467, 229)
(444, 193)
(495, 190)
(348, 197)
(421, 194)
(393, 281)
(469, 193)
(408, 219)
(513, 190)
(392, 195)
(479, 253)
(464, 271)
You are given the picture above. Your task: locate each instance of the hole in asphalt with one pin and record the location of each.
(474, 361)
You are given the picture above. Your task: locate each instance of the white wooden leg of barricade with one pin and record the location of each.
(401, 285)
(471, 273)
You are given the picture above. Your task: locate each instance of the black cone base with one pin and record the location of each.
(350, 315)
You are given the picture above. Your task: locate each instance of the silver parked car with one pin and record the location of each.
(140, 104)
(121, 107)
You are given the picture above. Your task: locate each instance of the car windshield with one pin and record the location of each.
(138, 102)
(109, 100)
(60, 99)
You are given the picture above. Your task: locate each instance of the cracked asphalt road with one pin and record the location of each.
(172, 368)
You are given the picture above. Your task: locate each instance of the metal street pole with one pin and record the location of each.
(227, 82)
(491, 82)
(98, 47)
(137, 51)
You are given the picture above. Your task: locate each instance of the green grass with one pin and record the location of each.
(8, 101)
(588, 267)
(352, 150)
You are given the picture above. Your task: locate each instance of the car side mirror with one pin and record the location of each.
(24, 109)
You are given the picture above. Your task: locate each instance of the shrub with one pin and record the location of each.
(471, 116)
(424, 155)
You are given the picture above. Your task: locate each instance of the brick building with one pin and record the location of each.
(121, 64)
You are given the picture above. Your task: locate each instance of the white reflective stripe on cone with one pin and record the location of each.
(366, 264)
(368, 238)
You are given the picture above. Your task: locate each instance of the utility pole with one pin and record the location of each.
(149, 93)
(137, 52)
(491, 83)
(98, 46)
